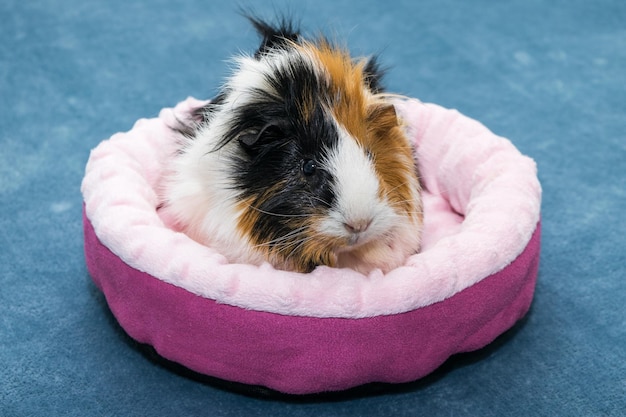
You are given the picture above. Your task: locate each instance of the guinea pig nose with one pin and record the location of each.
(357, 226)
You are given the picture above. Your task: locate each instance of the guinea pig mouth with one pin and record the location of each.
(358, 239)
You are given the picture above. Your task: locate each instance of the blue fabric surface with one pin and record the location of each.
(549, 75)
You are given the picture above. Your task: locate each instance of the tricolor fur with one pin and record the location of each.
(299, 161)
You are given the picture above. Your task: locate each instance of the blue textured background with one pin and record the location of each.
(550, 75)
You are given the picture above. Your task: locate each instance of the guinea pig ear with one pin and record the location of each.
(248, 139)
(252, 139)
(373, 74)
(382, 117)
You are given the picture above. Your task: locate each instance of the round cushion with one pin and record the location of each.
(331, 329)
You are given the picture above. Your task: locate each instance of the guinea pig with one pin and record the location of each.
(299, 161)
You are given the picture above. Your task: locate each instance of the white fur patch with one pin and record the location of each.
(385, 237)
(201, 200)
(356, 191)
(252, 74)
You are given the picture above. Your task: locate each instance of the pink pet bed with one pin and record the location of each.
(332, 329)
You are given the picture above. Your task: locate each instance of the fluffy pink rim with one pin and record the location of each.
(482, 207)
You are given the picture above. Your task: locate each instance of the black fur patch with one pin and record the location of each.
(284, 139)
(373, 75)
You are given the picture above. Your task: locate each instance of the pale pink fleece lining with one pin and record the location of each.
(482, 205)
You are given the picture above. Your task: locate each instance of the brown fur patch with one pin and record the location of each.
(319, 250)
(373, 122)
(247, 222)
(250, 218)
(347, 97)
(393, 159)
(287, 252)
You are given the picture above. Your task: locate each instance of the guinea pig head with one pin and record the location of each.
(314, 158)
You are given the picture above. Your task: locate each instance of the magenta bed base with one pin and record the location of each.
(284, 349)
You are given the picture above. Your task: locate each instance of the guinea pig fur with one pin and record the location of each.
(300, 161)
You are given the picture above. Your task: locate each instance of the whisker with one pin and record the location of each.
(269, 213)
(324, 202)
(283, 238)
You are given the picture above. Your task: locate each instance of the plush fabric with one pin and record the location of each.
(342, 329)
(481, 207)
(305, 355)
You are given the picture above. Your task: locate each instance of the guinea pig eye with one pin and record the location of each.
(309, 167)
